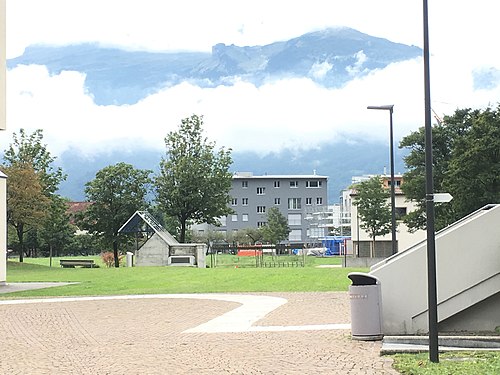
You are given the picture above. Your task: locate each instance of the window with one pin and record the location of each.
(234, 201)
(244, 201)
(234, 217)
(244, 217)
(261, 190)
(222, 221)
(319, 201)
(294, 184)
(400, 213)
(244, 184)
(261, 209)
(276, 184)
(309, 201)
(294, 203)
(295, 235)
(313, 184)
(277, 201)
(294, 219)
(261, 224)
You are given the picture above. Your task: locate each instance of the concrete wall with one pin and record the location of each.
(3, 229)
(155, 252)
(3, 182)
(468, 273)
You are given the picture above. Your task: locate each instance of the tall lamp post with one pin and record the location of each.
(429, 199)
(390, 108)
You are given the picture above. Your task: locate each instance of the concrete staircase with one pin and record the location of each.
(468, 279)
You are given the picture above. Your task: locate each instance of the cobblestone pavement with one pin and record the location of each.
(146, 336)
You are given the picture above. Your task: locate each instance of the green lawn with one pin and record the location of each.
(152, 280)
(452, 363)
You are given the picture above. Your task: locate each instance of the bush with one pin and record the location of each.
(108, 258)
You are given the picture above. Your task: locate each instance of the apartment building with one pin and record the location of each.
(296, 196)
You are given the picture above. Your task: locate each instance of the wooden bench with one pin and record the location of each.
(72, 263)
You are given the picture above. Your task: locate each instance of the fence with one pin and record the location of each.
(266, 256)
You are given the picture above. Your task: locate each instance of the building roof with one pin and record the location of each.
(75, 207)
(250, 175)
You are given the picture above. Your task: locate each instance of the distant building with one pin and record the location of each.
(360, 240)
(298, 197)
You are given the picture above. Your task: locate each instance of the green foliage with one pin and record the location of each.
(194, 180)
(27, 205)
(29, 149)
(84, 244)
(32, 182)
(276, 228)
(466, 163)
(116, 193)
(456, 363)
(373, 206)
(57, 232)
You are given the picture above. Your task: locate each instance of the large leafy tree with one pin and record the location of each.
(276, 228)
(29, 149)
(29, 156)
(194, 179)
(27, 205)
(57, 232)
(473, 175)
(116, 192)
(372, 202)
(465, 164)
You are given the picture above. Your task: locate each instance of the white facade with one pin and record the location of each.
(404, 238)
(3, 179)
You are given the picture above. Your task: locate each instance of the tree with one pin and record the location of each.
(276, 228)
(194, 179)
(116, 193)
(473, 176)
(465, 164)
(57, 232)
(373, 208)
(28, 149)
(27, 205)
(28, 156)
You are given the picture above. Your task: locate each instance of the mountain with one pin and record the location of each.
(338, 161)
(330, 57)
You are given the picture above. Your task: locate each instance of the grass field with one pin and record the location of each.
(152, 280)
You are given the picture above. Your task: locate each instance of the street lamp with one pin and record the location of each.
(429, 203)
(390, 108)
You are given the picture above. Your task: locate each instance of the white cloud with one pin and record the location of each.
(296, 113)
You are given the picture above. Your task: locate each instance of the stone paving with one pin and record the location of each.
(147, 336)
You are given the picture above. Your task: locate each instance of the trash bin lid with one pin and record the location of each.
(361, 278)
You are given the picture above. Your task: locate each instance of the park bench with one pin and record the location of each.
(72, 263)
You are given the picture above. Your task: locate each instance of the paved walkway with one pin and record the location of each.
(268, 333)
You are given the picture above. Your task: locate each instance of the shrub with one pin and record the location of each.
(108, 258)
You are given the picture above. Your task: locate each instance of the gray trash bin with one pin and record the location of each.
(366, 307)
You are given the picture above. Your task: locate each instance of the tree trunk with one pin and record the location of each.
(115, 253)
(20, 235)
(373, 248)
(183, 231)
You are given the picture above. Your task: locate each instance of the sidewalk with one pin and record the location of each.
(299, 333)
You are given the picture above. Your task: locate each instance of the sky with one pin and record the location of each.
(288, 113)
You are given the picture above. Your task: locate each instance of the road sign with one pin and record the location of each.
(442, 197)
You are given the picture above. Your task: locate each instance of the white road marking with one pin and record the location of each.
(241, 319)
